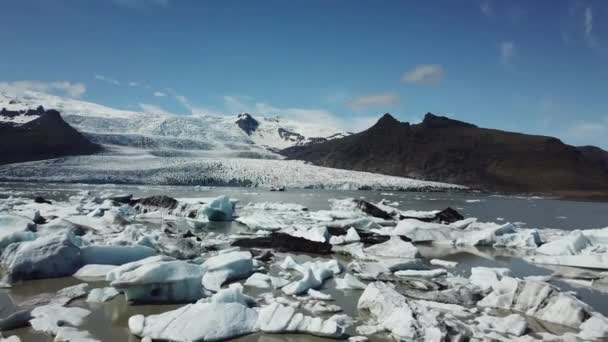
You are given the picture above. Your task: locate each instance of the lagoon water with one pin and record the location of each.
(108, 322)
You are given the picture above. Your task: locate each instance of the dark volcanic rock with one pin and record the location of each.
(447, 215)
(45, 137)
(247, 123)
(40, 199)
(159, 201)
(290, 136)
(446, 150)
(372, 210)
(124, 199)
(367, 238)
(285, 243)
(18, 319)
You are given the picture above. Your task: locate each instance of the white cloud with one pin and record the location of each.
(134, 84)
(159, 94)
(588, 20)
(106, 79)
(507, 51)
(424, 74)
(68, 88)
(588, 28)
(486, 9)
(373, 100)
(153, 109)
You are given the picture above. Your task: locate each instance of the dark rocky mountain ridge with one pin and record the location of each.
(447, 150)
(45, 136)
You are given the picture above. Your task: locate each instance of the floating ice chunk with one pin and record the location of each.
(100, 295)
(484, 234)
(390, 309)
(443, 263)
(462, 224)
(219, 209)
(540, 300)
(393, 248)
(363, 223)
(276, 318)
(13, 338)
(314, 274)
(68, 334)
(278, 206)
(349, 282)
(597, 261)
(261, 221)
(51, 318)
(197, 322)
(50, 256)
(93, 272)
(420, 214)
(487, 277)
(352, 236)
(307, 282)
(225, 267)
(161, 281)
(15, 229)
(419, 231)
(319, 308)
(265, 281)
(571, 244)
(318, 234)
(523, 238)
(595, 328)
(115, 255)
(314, 294)
(422, 273)
(513, 324)
(233, 294)
(119, 270)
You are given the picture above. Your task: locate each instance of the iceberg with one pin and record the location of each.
(49, 256)
(115, 255)
(277, 318)
(161, 281)
(219, 209)
(197, 322)
(226, 267)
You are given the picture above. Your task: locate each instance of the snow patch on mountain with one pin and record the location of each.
(213, 131)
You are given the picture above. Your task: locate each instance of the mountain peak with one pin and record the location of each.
(387, 121)
(247, 123)
(432, 120)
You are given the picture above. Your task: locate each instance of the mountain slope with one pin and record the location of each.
(202, 135)
(38, 134)
(446, 150)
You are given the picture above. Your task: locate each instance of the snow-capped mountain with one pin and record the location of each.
(198, 134)
(186, 150)
(35, 134)
(278, 133)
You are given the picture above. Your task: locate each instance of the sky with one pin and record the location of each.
(536, 67)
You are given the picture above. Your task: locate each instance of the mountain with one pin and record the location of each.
(36, 134)
(447, 150)
(275, 133)
(156, 148)
(168, 135)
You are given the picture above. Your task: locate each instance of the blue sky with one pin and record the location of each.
(530, 66)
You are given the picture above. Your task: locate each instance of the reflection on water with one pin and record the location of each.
(108, 321)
